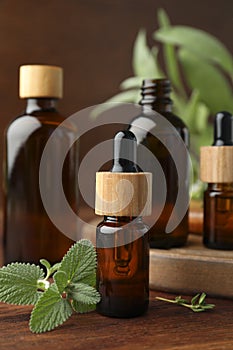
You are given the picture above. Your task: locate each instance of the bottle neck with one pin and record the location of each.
(220, 186)
(41, 104)
(156, 95)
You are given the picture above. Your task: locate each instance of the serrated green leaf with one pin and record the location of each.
(198, 42)
(144, 62)
(82, 308)
(83, 293)
(90, 279)
(18, 283)
(61, 280)
(80, 261)
(50, 311)
(213, 87)
(170, 54)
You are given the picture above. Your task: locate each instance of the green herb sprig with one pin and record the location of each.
(197, 304)
(72, 289)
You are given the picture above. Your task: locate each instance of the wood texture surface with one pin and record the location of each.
(123, 194)
(216, 164)
(40, 81)
(165, 326)
(191, 269)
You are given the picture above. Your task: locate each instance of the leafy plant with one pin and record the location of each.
(197, 304)
(201, 70)
(73, 288)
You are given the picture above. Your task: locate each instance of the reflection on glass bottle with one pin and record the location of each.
(123, 196)
(29, 233)
(156, 97)
(123, 266)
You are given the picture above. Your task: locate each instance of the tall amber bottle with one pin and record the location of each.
(29, 234)
(122, 238)
(156, 97)
(217, 171)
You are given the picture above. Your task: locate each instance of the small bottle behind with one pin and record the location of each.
(29, 234)
(122, 241)
(156, 98)
(217, 170)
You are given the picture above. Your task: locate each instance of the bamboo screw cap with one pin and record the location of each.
(216, 162)
(123, 194)
(40, 81)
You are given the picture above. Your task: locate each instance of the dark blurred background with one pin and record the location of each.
(92, 40)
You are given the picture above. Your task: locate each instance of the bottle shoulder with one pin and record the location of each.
(171, 117)
(27, 124)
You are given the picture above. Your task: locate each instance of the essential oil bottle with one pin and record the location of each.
(156, 97)
(122, 238)
(217, 171)
(29, 234)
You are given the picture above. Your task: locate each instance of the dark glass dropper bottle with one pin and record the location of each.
(217, 171)
(122, 238)
(156, 97)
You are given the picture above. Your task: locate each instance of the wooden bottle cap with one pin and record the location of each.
(216, 164)
(40, 81)
(123, 194)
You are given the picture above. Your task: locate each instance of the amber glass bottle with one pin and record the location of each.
(122, 238)
(216, 170)
(156, 97)
(28, 232)
(123, 266)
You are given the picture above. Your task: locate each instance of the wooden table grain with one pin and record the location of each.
(164, 326)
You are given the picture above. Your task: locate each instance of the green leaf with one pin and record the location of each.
(131, 83)
(83, 293)
(82, 308)
(202, 298)
(145, 64)
(202, 117)
(190, 111)
(129, 96)
(18, 283)
(198, 42)
(45, 263)
(80, 261)
(54, 268)
(213, 87)
(194, 299)
(50, 311)
(170, 54)
(61, 280)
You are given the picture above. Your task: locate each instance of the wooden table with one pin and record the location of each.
(165, 326)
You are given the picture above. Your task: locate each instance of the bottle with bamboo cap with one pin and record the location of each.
(29, 234)
(156, 98)
(123, 196)
(216, 169)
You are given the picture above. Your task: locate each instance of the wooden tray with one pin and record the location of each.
(192, 269)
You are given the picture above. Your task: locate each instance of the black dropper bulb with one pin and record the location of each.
(223, 129)
(125, 153)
